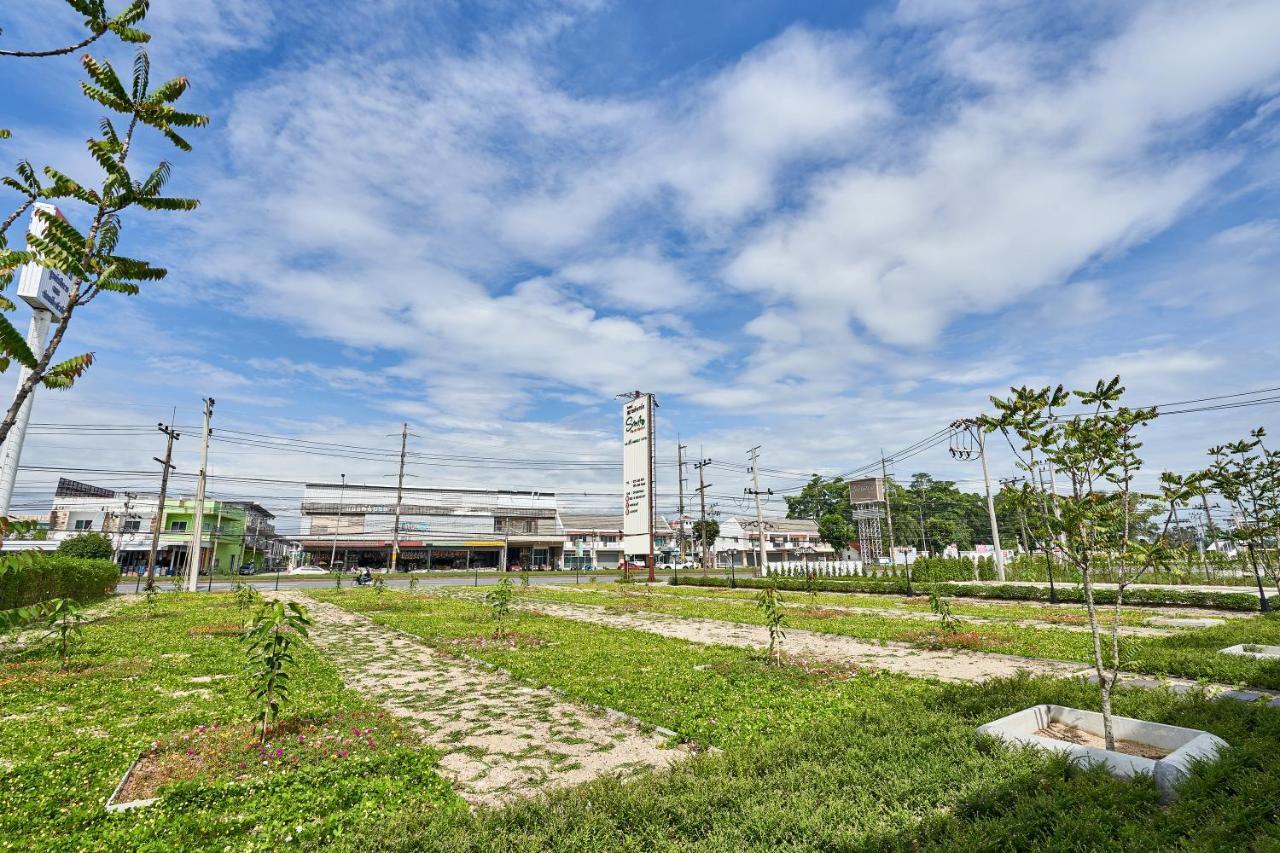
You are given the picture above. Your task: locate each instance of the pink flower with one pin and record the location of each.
(301, 739)
(241, 765)
(343, 754)
(200, 729)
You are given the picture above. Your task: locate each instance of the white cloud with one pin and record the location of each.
(1023, 187)
(641, 280)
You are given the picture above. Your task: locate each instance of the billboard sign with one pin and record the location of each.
(867, 490)
(637, 474)
(40, 287)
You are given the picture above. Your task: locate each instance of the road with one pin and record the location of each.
(402, 582)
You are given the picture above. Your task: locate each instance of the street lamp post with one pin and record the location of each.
(342, 495)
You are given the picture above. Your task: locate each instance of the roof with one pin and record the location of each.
(781, 525)
(573, 521)
(445, 489)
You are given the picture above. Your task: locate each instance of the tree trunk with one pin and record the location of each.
(1099, 667)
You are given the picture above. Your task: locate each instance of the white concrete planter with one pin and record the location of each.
(1183, 745)
(113, 805)
(1252, 650)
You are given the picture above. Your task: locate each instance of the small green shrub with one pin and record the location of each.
(499, 601)
(770, 601)
(31, 577)
(65, 622)
(942, 608)
(1139, 597)
(87, 546)
(268, 645)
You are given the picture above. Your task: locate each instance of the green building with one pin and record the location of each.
(222, 534)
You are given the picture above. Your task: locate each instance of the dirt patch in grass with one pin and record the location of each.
(216, 629)
(1063, 618)
(955, 640)
(509, 640)
(234, 753)
(47, 672)
(1071, 734)
(787, 664)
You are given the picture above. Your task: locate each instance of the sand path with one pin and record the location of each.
(499, 739)
(946, 665)
(801, 607)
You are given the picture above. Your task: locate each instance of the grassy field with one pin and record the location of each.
(815, 760)
(66, 738)
(1187, 653)
(809, 758)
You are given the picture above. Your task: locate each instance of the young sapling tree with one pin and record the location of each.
(1096, 453)
(769, 600)
(268, 648)
(499, 601)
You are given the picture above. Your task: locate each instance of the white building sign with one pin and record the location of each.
(40, 287)
(637, 475)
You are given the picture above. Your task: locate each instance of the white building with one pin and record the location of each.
(786, 540)
(438, 528)
(596, 541)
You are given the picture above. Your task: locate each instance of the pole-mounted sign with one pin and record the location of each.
(42, 288)
(48, 292)
(637, 474)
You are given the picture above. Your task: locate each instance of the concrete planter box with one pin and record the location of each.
(112, 802)
(1182, 745)
(1252, 650)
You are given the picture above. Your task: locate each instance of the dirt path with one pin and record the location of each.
(950, 665)
(947, 665)
(894, 613)
(500, 739)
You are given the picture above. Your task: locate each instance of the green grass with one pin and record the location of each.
(806, 761)
(1192, 653)
(1013, 610)
(870, 762)
(67, 738)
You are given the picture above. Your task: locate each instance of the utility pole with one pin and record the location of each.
(888, 512)
(924, 539)
(763, 559)
(395, 533)
(680, 537)
(193, 562)
(120, 521)
(165, 464)
(979, 435)
(342, 495)
(702, 514)
(215, 539)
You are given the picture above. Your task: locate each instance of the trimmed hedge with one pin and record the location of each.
(1071, 594)
(891, 586)
(33, 577)
(1137, 597)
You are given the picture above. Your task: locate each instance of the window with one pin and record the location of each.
(132, 525)
(84, 524)
(178, 526)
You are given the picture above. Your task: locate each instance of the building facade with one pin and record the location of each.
(786, 539)
(129, 520)
(354, 526)
(595, 541)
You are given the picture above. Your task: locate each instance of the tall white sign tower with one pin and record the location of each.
(637, 476)
(47, 292)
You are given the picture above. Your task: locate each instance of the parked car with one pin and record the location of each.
(247, 568)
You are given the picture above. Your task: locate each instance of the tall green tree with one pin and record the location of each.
(88, 257)
(1096, 451)
(1247, 475)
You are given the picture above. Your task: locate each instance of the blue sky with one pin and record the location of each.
(824, 228)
